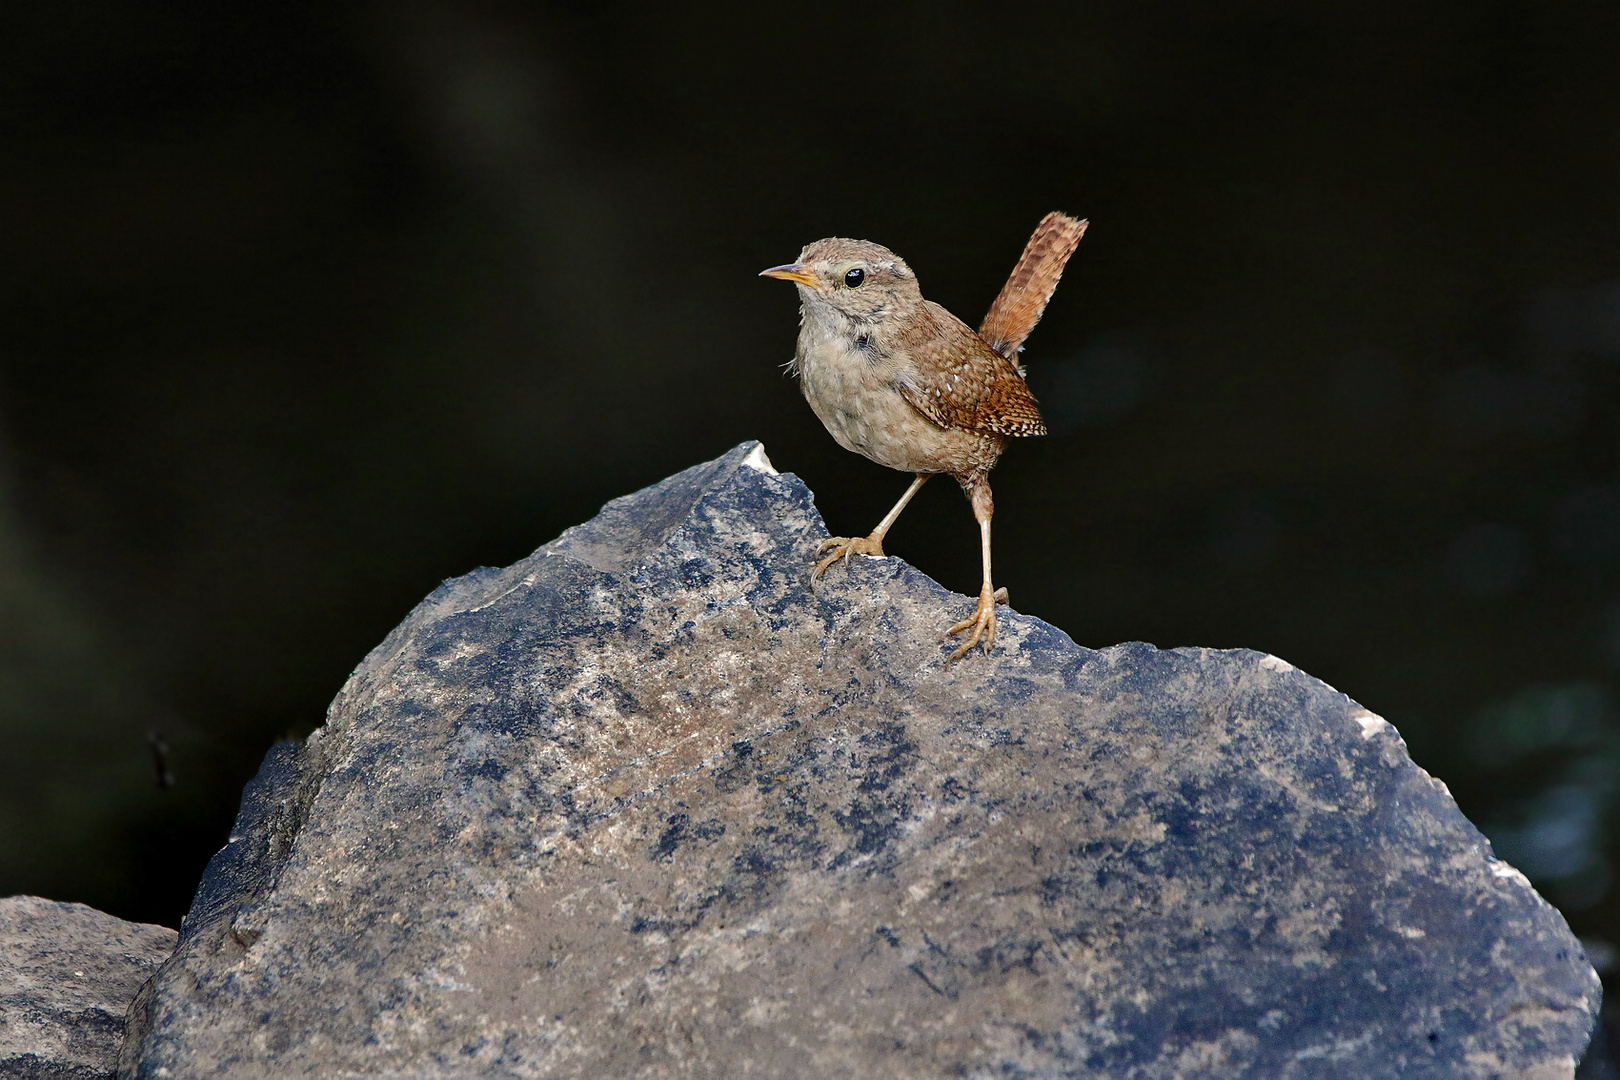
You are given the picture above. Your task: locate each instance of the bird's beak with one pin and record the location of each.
(790, 272)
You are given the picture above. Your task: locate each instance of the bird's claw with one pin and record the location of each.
(982, 624)
(842, 547)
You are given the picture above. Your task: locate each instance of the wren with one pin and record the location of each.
(902, 381)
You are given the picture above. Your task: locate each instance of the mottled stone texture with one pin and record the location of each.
(641, 805)
(67, 974)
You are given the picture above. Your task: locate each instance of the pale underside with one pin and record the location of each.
(952, 415)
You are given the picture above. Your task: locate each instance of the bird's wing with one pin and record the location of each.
(965, 384)
(1010, 409)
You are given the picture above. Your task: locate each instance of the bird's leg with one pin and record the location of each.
(982, 622)
(842, 547)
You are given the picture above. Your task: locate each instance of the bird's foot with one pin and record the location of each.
(842, 547)
(982, 623)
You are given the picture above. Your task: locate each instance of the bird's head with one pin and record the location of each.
(858, 279)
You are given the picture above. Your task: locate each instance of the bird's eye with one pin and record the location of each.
(855, 278)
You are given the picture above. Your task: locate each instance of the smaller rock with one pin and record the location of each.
(67, 975)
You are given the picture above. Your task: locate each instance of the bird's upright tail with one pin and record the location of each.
(1019, 305)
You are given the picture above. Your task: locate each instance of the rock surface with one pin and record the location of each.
(642, 805)
(67, 974)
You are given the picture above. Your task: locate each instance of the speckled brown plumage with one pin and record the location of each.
(900, 380)
(966, 384)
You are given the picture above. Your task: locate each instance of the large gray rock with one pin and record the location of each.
(642, 805)
(67, 974)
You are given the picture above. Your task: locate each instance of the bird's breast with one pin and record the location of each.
(851, 386)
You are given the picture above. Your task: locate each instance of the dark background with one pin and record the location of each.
(304, 307)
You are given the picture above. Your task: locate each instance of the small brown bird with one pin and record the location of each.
(902, 381)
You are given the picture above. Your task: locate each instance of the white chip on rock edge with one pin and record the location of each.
(756, 459)
(1500, 869)
(1371, 723)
